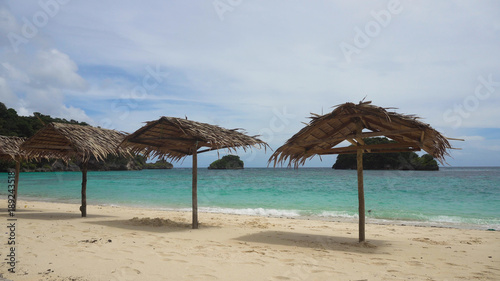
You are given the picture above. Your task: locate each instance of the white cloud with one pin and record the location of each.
(44, 69)
(15, 73)
(6, 94)
(55, 69)
(35, 78)
(264, 56)
(40, 82)
(494, 147)
(8, 24)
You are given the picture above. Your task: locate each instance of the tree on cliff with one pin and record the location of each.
(11, 124)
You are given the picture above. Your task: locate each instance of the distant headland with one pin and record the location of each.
(11, 124)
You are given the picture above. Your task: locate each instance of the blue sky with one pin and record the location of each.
(259, 65)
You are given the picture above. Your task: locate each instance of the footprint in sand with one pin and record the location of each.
(174, 260)
(202, 277)
(162, 254)
(170, 254)
(281, 278)
(429, 241)
(31, 253)
(135, 261)
(127, 271)
(261, 263)
(126, 251)
(414, 263)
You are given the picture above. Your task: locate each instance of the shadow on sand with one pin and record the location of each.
(39, 215)
(314, 241)
(165, 226)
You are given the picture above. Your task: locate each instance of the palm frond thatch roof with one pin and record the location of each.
(175, 138)
(9, 147)
(347, 122)
(65, 141)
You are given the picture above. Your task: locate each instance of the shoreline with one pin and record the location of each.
(233, 211)
(425, 200)
(124, 243)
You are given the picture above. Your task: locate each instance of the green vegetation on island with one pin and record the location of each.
(227, 162)
(111, 163)
(11, 124)
(387, 161)
(160, 164)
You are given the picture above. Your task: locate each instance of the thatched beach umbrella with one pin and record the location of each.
(69, 141)
(9, 150)
(175, 138)
(347, 122)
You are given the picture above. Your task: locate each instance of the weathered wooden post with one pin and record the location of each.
(361, 196)
(195, 186)
(83, 207)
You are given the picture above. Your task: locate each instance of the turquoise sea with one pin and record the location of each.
(451, 197)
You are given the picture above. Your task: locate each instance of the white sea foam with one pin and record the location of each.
(252, 211)
(245, 211)
(454, 220)
(337, 214)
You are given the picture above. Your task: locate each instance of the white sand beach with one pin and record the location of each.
(54, 243)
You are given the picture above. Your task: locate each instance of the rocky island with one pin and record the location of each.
(227, 162)
(387, 161)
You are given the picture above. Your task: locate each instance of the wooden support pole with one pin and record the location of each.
(195, 187)
(16, 182)
(361, 196)
(83, 207)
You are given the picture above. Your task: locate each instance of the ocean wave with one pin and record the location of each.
(252, 211)
(273, 212)
(436, 220)
(337, 214)
(244, 211)
(482, 223)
